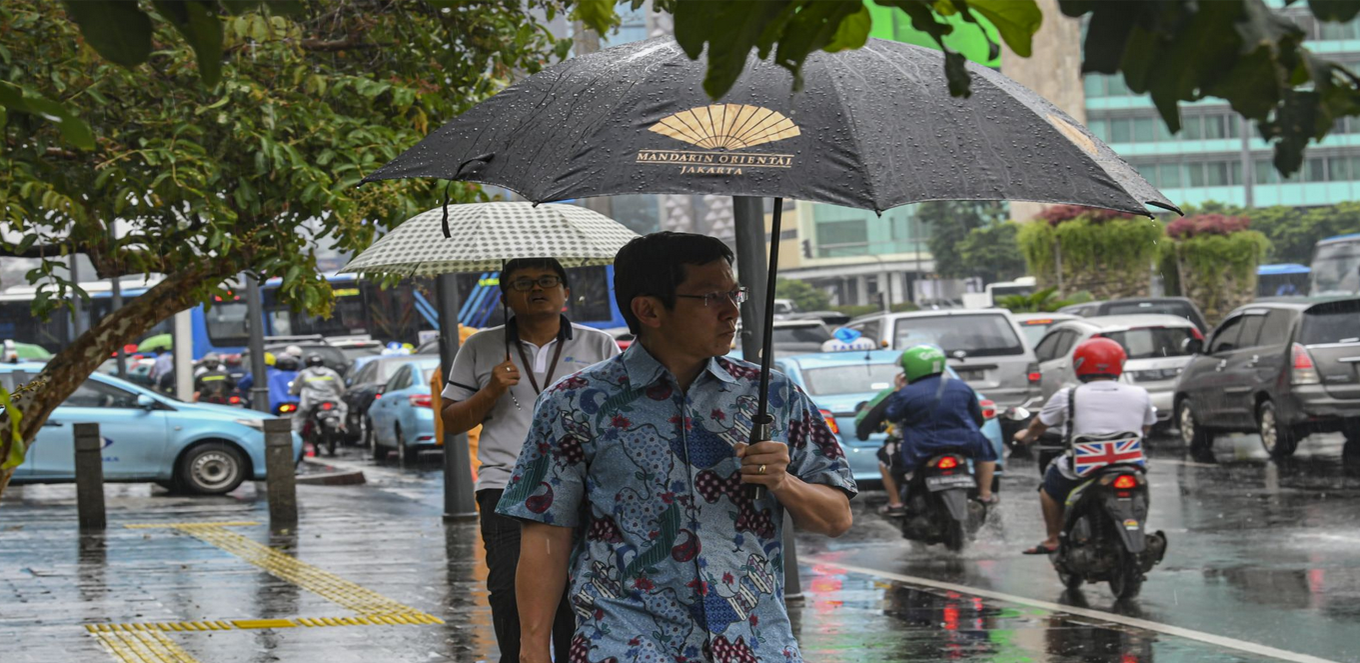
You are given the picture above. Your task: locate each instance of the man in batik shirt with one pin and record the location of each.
(635, 474)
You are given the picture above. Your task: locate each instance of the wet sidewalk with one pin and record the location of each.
(373, 576)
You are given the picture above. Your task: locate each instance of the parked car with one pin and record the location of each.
(791, 337)
(1281, 369)
(1035, 325)
(1156, 347)
(402, 414)
(621, 335)
(837, 382)
(195, 447)
(985, 347)
(362, 385)
(1179, 306)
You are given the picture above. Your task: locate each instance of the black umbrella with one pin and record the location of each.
(873, 128)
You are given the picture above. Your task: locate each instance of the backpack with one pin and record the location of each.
(1088, 453)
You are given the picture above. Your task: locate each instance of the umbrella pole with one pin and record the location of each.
(763, 422)
(505, 313)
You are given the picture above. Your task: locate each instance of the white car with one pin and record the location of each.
(1155, 345)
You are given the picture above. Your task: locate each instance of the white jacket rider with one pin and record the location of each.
(315, 384)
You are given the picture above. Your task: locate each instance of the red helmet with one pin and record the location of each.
(1099, 357)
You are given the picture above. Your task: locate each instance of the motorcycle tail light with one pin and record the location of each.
(377, 397)
(831, 421)
(1125, 482)
(948, 463)
(234, 400)
(421, 400)
(286, 408)
(1194, 331)
(988, 408)
(1032, 372)
(328, 406)
(1304, 371)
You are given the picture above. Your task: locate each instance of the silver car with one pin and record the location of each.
(985, 347)
(1155, 345)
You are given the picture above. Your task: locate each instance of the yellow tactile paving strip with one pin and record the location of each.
(147, 643)
(143, 647)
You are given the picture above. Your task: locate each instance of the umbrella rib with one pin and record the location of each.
(854, 137)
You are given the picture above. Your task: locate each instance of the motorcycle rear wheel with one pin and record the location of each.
(954, 536)
(1127, 579)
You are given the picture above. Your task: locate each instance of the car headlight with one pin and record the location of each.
(257, 424)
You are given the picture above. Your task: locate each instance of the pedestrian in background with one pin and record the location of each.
(495, 378)
(635, 473)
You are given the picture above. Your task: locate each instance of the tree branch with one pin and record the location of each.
(350, 43)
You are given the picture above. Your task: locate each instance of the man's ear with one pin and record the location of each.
(648, 310)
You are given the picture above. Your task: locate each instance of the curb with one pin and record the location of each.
(332, 478)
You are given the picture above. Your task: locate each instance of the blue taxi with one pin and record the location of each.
(837, 382)
(147, 436)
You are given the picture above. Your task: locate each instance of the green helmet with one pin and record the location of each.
(922, 361)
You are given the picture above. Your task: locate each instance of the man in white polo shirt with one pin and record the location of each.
(494, 383)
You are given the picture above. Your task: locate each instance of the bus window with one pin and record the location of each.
(226, 322)
(1336, 267)
(590, 295)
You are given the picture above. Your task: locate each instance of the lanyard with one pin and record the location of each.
(528, 368)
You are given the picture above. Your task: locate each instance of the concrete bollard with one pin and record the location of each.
(89, 477)
(280, 474)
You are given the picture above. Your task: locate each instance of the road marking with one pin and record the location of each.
(148, 642)
(1157, 627)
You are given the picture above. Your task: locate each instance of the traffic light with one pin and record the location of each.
(807, 248)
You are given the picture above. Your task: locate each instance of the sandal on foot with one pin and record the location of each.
(1039, 549)
(892, 511)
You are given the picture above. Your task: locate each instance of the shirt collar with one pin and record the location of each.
(643, 369)
(563, 334)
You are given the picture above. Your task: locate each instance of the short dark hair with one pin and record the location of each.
(532, 263)
(653, 265)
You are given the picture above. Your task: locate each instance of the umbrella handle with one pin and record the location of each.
(762, 423)
(760, 432)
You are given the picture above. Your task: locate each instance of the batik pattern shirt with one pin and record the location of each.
(672, 561)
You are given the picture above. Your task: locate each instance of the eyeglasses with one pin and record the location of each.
(737, 297)
(545, 282)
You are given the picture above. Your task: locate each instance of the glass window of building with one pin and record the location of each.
(1195, 173)
(1213, 126)
(1341, 169)
(1169, 175)
(1148, 171)
(1120, 130)
(1316, 170)
(1265, 172)
(1094, 84)
(842, 238)
(1216, 173)
(1142, 130)
(1192, 127)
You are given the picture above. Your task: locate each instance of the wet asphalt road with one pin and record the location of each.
(1261, 552)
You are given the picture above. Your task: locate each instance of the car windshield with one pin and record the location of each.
(352, 353)
(426, 368)
(1178, 309)
(801, 334)
(1336, 268)
(974, 335)
(1035, 330)
(1152, 342)
(850, 379)
(1331, 324)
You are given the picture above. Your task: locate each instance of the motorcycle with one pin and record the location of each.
(1104, 536)
(941, 502)
(323, 426)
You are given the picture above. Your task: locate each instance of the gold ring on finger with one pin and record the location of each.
(760, 470)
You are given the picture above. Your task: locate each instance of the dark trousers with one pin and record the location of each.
(500, 536)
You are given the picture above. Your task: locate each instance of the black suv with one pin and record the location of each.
(1177, 306)
(1281, 369)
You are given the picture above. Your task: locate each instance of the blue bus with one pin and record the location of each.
(1281, 280)
(362, 309)
(1336, 266)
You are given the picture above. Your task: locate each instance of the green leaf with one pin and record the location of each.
(813, 27)
(598, 15)
(72, 128)
(853, 31)
(116, 29)
(197, 21)
(730, 29)
(1016, 20)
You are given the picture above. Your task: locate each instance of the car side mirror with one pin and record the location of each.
(1194, 346)
(146, 402)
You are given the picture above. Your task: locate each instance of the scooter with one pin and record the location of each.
(323, 427)
(941, 500)
(1104, 535)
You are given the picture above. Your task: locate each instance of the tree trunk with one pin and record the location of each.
(69, 368)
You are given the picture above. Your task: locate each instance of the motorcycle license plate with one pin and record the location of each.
(952, 481)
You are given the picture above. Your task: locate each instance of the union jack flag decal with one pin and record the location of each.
(1088, 457)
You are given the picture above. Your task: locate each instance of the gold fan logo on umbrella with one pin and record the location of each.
(719, 130)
